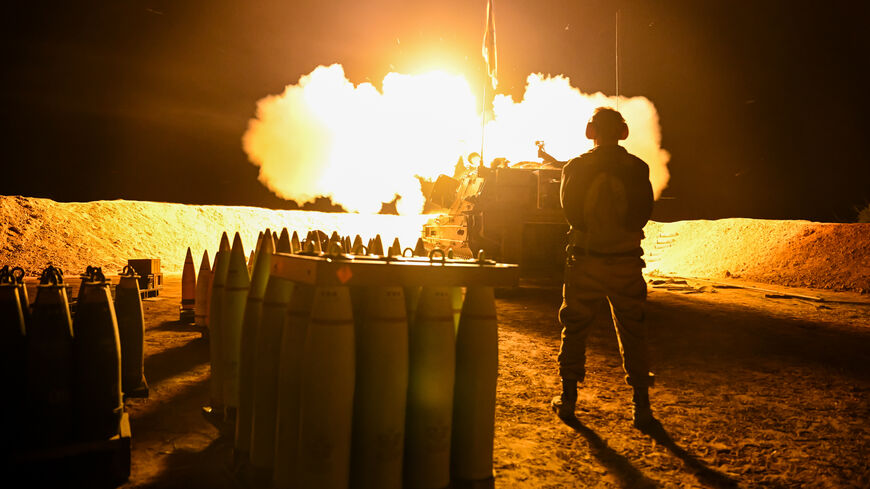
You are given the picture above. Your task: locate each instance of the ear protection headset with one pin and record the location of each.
(592, 134)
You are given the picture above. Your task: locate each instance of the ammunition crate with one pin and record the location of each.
(150, 278)
(145, 266)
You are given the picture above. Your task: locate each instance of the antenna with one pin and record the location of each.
(616, 51)
(482, 123)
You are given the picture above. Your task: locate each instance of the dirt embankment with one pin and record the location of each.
(36, 232)
(789, 253)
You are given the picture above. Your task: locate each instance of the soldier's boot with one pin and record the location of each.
(643, 416)
(564, 404)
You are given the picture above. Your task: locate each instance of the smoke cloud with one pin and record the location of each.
(361, 146)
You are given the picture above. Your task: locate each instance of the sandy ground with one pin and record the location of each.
(759, 385)
(752, 392)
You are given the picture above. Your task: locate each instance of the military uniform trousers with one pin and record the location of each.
(589, 282)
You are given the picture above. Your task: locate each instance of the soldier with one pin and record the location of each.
(547, 158)
(607, 199)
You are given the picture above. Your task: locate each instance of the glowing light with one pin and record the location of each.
(361, 146)
(555, 112)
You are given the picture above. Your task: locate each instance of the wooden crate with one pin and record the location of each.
(145, 266)
(150, 278)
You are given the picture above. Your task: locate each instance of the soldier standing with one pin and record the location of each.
(607, 199)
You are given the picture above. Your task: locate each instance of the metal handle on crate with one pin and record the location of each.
(481, 258)
(19, 279)
(437, 250)
(94, 274)
(51, 275)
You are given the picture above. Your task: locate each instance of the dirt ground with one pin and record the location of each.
(761, 381)
(753, 391)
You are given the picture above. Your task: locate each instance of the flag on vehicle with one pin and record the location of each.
(489, 50)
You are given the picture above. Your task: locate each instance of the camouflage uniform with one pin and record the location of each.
(589, 283)
(607, 199)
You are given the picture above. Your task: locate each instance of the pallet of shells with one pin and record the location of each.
(338, 364)
(64, 420)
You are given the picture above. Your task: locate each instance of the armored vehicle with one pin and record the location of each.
(511, 212)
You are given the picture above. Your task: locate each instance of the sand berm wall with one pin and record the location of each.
(35, 232)
(791, 253)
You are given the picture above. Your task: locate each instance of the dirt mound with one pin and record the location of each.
(790, 253)
(36, 232)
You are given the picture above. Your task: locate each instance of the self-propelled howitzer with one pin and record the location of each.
(512, 212)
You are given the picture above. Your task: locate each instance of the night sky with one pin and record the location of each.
(763, 104)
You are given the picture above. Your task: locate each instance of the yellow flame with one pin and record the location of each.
(555, 112)
(361, 146)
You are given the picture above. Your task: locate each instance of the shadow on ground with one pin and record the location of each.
(178, 327)
(183, 449)
(617, 464)
(685, 332)
(187, 468)
(629, 476)
(177, 360)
